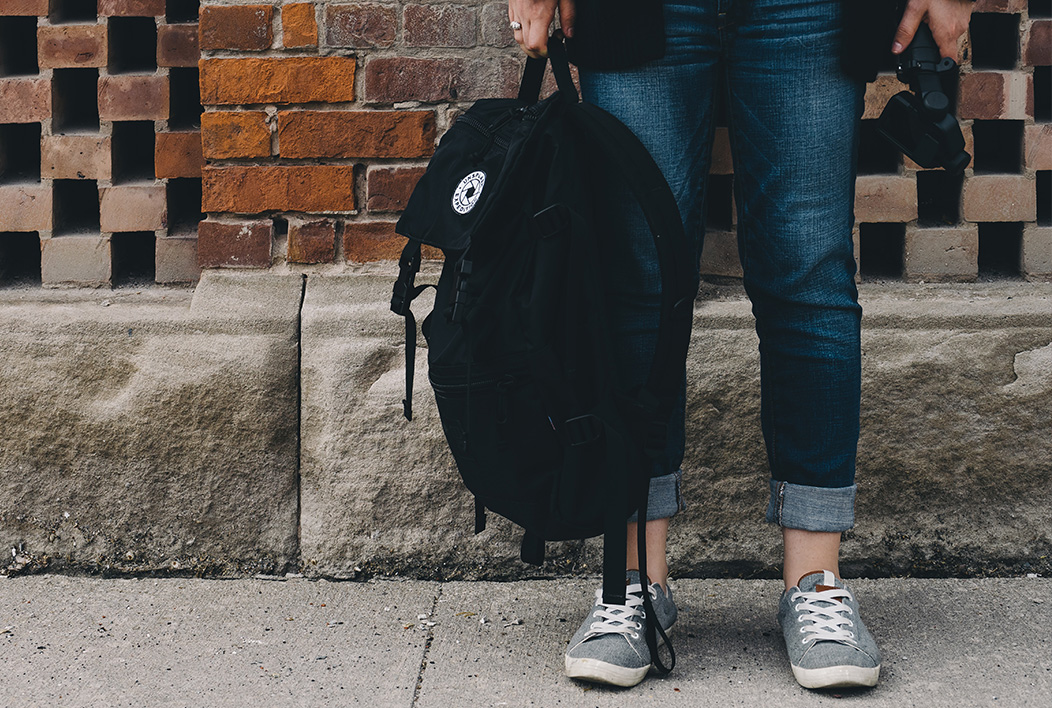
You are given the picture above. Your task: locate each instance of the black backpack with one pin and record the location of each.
(519, 354)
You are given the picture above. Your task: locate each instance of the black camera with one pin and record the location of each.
(920, 122)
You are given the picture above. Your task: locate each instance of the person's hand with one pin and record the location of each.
(948, 20)
(536, 17)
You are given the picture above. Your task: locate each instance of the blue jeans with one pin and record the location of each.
(793, 128)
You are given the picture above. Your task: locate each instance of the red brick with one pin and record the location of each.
(493, 22)
(133, 208)
(394, 79)
(885, 198)
(942, 254)
(1015, 6)
(1038, 146)
(75, 157)
(227, 134)
(388, 188)
(438, 26)
(311, 241)
(132, 97)
(299, 25)
(177, 155)
(356, 133)
(25, 100)
(277, 80)
(76, 260)
(176, 260)
(1038, 50)
(878, 93)
(23, 7)
(254, 189)
(245, 27)
(990, 95)
(360, 26)
(25, 207)
(62, 46)
(177, 45)
(244, 244)
(999, 198)
(131, 8)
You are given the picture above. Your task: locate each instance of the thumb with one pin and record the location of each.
(911, 20)
(567, 15)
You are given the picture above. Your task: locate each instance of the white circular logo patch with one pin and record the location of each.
(468, 192)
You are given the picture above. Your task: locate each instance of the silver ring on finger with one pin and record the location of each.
(515, 25)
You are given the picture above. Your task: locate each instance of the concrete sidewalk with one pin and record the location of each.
(82, 641)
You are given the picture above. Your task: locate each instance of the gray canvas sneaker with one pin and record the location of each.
(611, 647)
(828, 645)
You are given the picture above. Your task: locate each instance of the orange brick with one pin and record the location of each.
(237, 244)
(23, 7)
(356, 133)
(254, 189)
(885, 198)
(62, 46)
(999, 198)
(311, 241)
(990, 95)
(177, 155)
(277, 80)
(25, 100)
(879, 92)
(299, 26)
(131, 8)
(227, 134)
(365, 241)
(132, 97)
(389, 187)
(75, 157)
(1038, 49)
(241, 27)
(133, 208)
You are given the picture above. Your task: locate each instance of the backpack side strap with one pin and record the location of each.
(405, 291)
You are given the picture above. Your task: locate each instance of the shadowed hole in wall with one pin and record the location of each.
(995, 40)
(75, 101)
(132, 151)
(134, 257)
(19, 258)
(876, 155)
(1044, 198)
(998, 146)
(938, 198)
(1000, 250)
(184, 101)
(72, 11)
(19, 153)
(132, 45)
(881, 250)
(76, 204)
(1043, 94)
(1040, 8)
(184, 206)
(18, 46)
(182, 11)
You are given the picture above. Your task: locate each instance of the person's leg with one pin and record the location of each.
(794, 120)
(668, 105)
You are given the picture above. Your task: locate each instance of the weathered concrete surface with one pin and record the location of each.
(955, 462)
(156, 643)
(151, 430)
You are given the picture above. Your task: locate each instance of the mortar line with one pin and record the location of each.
(427, 649)
(299, 425)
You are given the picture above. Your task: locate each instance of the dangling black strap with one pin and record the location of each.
(532, 550)
(404, 293)
(653, 627)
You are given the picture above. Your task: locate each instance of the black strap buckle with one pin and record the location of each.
(583, 429)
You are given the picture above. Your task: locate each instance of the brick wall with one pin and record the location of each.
(100, 151)
(320, 116)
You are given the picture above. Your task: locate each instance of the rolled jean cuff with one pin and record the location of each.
(665, 497)
(797, 506)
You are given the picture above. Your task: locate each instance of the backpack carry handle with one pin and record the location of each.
(533, 74)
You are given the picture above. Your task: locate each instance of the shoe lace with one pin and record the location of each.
(826, 614)
(620, 619)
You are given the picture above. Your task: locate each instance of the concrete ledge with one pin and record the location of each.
(151, 431)
(955, 460)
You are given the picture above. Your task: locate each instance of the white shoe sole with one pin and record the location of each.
(602, 672)
(837, 676)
